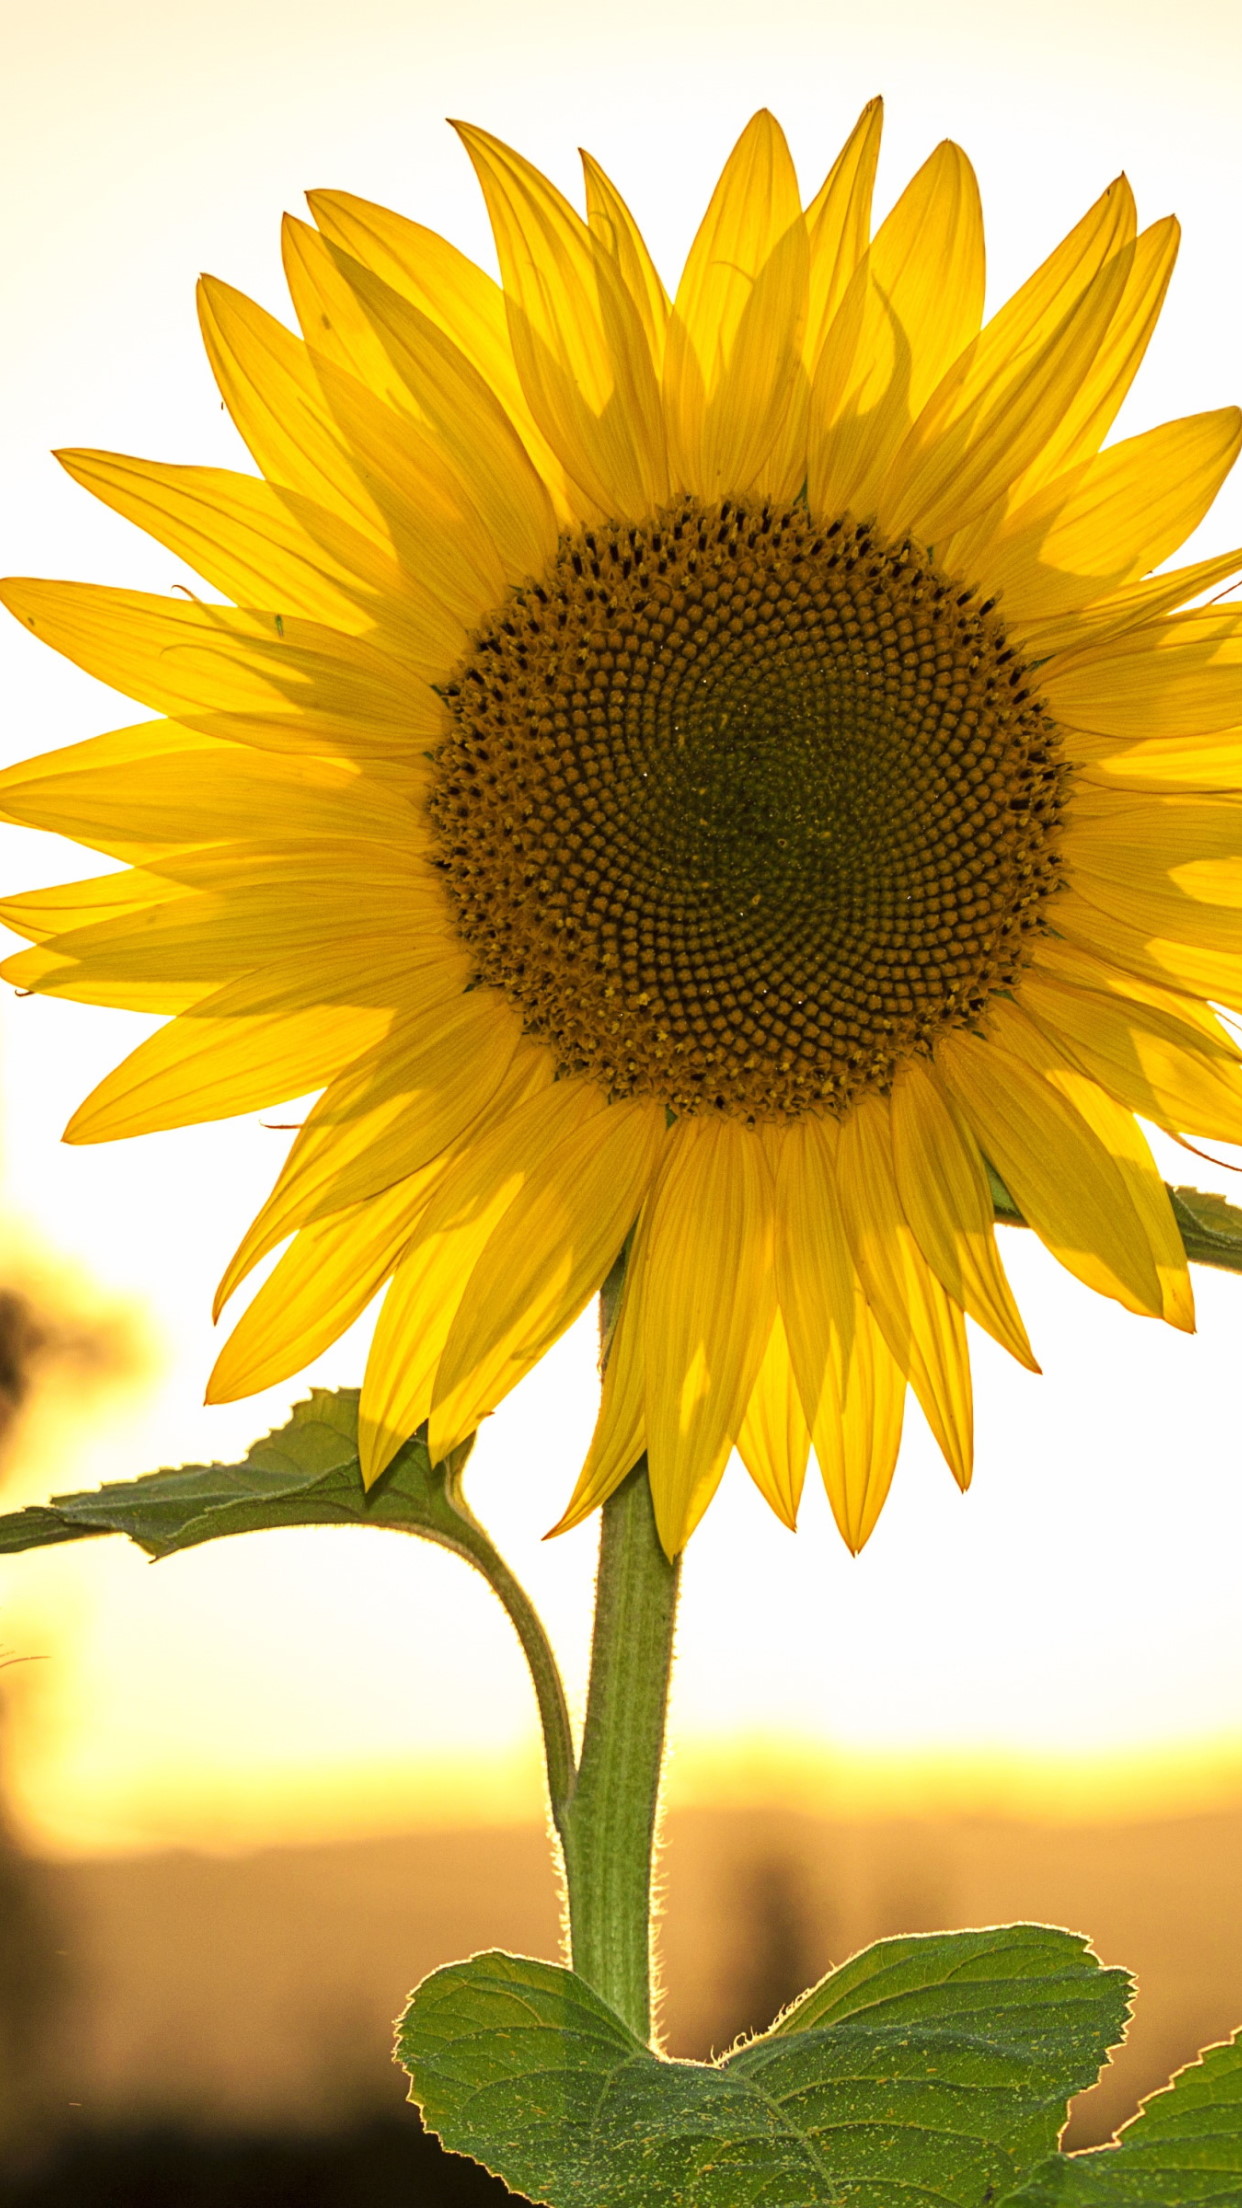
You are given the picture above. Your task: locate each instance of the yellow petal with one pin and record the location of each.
(815, 1280)
(1086, 627)
(320, 867)
(389, 1114)
(413, 1100)
(610, 221)
(1172, 964)
(314, 429)
(577, 337)
(706, 1300)
(735, 337)
(1120, 515)
(268, 383)
(1039, 304)
(466, 420)
(857, 1434)
(546, 1257)
(46, 972)
(433, 523)
(755, 423)
(1121, 1135)
(441, 1128)
(436, 277)
(1195, 841)
(1091, 410)
(462, 300)
(1088, 411)
(994, 414)
(330, 316)
(922, 1326)
(774, 1440)
(1074, 968)
(754, 204)
(262, 1040)
(619, 1438)
(268, 906)
(40, 914)
(1152, 1063)
(838, 223)
(418, 1312)
(851, 1390)
(1080, 1190)
(142, 789)
(365, 332)
(265, 547)
(943, 1187)
(1185, 765)
(1018, 334)
(1171, 864)
(324, 1281)
(1181, 676)
(339, 693)
(912, 306)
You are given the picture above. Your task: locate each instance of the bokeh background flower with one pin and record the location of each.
(1061, 1645)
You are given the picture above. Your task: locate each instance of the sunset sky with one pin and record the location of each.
(1068, 1631)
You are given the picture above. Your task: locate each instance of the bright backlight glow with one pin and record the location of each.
(1065, 1635)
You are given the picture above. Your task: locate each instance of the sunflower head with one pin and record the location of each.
(791, 807)
(714, 775)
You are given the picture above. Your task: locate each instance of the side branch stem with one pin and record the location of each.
(464, 1533)
(608, 1830)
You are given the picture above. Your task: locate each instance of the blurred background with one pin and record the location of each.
(251, 1795)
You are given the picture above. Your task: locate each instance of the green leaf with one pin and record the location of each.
(933, 2069)
(1183, 2149)
(1210, 1228)
(306, 1474)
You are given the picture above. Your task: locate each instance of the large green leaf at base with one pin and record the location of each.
(1184, 2149)
(307, 1474)
(930, 2070)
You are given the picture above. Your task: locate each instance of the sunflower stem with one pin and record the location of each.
(608, 1833)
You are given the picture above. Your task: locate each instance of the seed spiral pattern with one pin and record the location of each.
(741, 811)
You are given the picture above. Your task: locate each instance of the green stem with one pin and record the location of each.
(608, 1830)
(470, 1540)
(605, 1809)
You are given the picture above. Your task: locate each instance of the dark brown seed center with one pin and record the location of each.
(740, 812)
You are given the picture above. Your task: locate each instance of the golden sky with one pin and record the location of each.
(1076, 1612)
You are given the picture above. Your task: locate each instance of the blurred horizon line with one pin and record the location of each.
(763, 1773)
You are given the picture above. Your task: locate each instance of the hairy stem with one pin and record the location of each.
(606, 1805)
(608, 1830)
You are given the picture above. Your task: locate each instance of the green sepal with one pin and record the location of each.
(933, 2068)
(305, 1474)
(1183, 2149)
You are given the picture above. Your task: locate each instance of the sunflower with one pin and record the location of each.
(705, 778)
